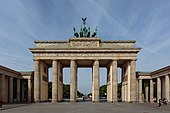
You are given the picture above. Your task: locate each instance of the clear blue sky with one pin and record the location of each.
(23, 21)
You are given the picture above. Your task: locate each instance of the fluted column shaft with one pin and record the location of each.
(73, 81)
(37, 81)
(29, 90)
(158, 88)
(96, 81)
(140, 91)
(167, 88)
(54, 81)
(3, 88)
(18, 89)
(11, 89)
(114, 81)
(151, 90)
(133, 92)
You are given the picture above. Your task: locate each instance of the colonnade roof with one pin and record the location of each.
(8, 71)
(157, 73)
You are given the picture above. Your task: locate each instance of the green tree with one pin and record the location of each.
(103, 90)
(119, 90)
(66, 91)
(49, 89)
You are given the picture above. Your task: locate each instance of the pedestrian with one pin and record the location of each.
(165, 101)
(159, 102)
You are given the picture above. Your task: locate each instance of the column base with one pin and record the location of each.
(95, 101)
(73, 101)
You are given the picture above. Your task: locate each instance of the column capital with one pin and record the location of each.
(36, 60)
(133, 59)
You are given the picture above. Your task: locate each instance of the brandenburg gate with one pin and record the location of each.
(85, 52)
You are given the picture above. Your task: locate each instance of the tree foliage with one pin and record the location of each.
(66, 91)
(103, 90)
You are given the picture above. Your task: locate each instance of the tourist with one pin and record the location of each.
(165, 101)
(159, 102)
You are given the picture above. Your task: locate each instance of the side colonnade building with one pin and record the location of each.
(154, 85)
(15, 86)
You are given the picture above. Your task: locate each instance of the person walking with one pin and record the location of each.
(159, 102)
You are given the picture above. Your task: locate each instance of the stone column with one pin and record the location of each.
(37, 81)
(3, 88)
(123, 93)
(23, 92)
(54, 82)
(18, 89)
(151, 90)
(140, 91)
(11, 89)
(73, 81)
(158, 88)
(167, 91)
(133, 94)
(96, 81)
(126, 92)
(146, 91)
(29, 90)
(114, 81)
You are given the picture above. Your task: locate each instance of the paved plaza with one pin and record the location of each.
(87, 107)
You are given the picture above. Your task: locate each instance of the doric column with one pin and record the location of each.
(114, 81)
(140, 91)
(73, 81)
(126, 92)
(11, 89)
(133, 94)
(54, 81)
(3, 88)
(151, 90)
(167, 88)
(158, 88)
(96, 81)
(29, 90)
(146, 91)
(123, 93)
(37, 81)
(23, 92)
(18, 89)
